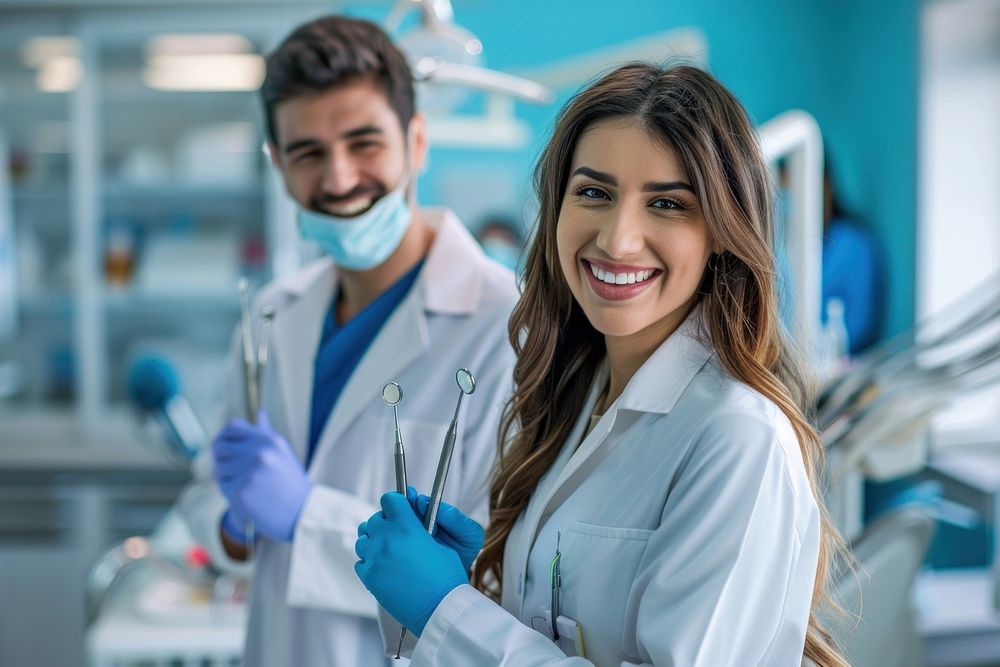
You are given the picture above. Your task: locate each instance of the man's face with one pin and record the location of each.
(343, 149)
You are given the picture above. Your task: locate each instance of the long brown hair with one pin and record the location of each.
(558, 351)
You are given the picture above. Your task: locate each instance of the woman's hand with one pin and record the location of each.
(453, 529)
(407, 570)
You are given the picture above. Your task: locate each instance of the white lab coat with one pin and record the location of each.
(689, 534)
(307, 605)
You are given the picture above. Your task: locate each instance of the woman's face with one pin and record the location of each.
(633, 242)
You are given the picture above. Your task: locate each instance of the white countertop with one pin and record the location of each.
(37, 439)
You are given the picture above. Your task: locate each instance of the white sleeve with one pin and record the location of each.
(321, 574)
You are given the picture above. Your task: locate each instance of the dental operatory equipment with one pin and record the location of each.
(253, 366)
(892, 394)
(153, 387)
(467, 384)
(441, 52)
(266, 317)
(249, 364)
(392, 394)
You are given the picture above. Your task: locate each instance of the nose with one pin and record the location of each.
(621, 234)
(339, 174)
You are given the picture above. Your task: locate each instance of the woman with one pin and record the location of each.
(657, 482)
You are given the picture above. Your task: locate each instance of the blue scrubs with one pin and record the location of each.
(341, 348)
(853, 273)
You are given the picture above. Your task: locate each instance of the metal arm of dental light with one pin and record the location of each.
(436, 70)
(795, 136)
(432, 12)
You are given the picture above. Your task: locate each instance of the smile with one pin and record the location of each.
(618, 283)
(624, 278)
(351, 208)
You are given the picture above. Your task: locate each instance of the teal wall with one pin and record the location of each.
(850, 63)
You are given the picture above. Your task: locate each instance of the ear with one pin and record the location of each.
(274, 156)
(417, 142)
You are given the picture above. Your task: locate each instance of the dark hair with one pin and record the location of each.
(333, 51)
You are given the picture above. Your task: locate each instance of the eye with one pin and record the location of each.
(669, 204)
(364, 145)
(305, 156)
(590, 192)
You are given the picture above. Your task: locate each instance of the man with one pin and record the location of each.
(403, 294)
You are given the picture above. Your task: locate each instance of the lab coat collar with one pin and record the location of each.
(661, 381)
(449, 286)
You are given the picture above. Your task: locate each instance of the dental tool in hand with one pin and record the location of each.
(467, 383)
(253, 368)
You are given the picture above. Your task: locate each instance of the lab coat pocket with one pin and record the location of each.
(598, 566)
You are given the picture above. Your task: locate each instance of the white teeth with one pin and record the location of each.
(352, 209)
(620, 278)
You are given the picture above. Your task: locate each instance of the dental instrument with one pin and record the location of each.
(392, 394)
(467, 383)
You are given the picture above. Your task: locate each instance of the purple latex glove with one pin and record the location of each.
(261, 477)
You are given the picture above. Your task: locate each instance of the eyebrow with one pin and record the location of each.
(363, 131)
(660, 186)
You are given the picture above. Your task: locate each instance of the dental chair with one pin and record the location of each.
(879, 626)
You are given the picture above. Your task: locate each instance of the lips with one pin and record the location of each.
(618, 282)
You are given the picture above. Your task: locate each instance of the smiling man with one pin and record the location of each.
(401, 294)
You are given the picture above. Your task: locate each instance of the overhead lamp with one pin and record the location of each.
(197, 44)
(59, 74)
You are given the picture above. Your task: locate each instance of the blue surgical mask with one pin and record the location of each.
(364, 241)
(502, 252)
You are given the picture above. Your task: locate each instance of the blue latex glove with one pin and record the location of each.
(261, 477)
(407, 570)
(454, 529)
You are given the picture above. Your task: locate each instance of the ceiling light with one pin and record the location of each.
(220, 72)
(59, 74)
(197, 44)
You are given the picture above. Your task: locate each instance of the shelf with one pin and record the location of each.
(52, 304)
(172, 305)
(186, 191)
(136, 304)
(150, 191)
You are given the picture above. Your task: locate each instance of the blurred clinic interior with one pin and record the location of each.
(136, 193)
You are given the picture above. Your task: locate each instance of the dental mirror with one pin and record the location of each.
(392, 393)
(466, 382)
